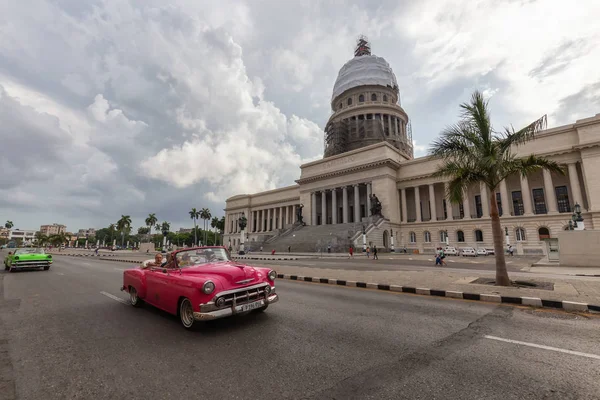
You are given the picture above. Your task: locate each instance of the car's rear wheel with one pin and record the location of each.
(186, 314)
(133, 297)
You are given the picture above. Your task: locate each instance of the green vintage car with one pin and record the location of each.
(28, 258)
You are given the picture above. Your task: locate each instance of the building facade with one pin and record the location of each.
(24, 236)
(86, 233)
(376, 158)
(53, 229)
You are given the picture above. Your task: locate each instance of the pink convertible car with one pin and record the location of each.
(200, 284)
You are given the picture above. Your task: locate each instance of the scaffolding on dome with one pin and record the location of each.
(363, 47)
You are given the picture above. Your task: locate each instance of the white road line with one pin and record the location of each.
(119, 269)
(60, 273)
(120, 300)
(451, 260)
(541, 346)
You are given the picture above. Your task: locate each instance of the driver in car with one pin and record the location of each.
(158, 261)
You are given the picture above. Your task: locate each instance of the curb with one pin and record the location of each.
(587, 275)
(113, 259)
(267, 258)
(490, 298)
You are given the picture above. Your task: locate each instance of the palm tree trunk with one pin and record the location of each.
(195, 238)
(501, 273)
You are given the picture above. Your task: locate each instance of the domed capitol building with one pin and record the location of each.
(368, 161)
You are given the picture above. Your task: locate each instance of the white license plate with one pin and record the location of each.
(249, 306)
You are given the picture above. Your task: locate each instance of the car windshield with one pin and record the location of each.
(29, 251)
(189, 258)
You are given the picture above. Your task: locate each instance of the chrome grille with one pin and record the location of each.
(31, 264)
(243, 296)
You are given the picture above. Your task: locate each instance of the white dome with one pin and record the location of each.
(364, 70)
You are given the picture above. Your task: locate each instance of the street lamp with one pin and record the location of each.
(576, 221)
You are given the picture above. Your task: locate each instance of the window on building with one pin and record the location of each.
(544, 233)
(349, 101)
(539, 201)
(370, 116)
(460, 236)
(562, 198)
(499, 202)
(361, 98)
(517, 199)
(412, 237)
(478, 235)
(478, 207)
(443, 236)
(461, 210)
(373, 97)
(520, 234)
(340, 106)
(385, 98)
(445, 209)
(427, 236)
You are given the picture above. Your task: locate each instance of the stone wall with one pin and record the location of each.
(579, 248)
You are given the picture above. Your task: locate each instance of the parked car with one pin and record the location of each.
(27, 258)
(490, 252)
(482, 251)
(450, 251)
(200, 284)
(468, 252)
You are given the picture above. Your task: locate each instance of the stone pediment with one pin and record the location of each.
(379, 154)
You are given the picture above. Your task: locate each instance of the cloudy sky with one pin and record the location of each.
(111, 107)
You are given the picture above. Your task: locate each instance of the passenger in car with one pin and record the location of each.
(158, 261)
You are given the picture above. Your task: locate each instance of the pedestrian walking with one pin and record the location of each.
(329, 248)
(375, 253)
(510, 250)
(289, 249)
(368, 252)
(351, 252)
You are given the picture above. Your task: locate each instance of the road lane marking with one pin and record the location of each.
(60, 273)
(120, 300)
(119, 269)
(541, 346)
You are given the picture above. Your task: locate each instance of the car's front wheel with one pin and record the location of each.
(46, 268)
(133, 297)
(186, 314)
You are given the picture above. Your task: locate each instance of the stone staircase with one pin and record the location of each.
(312, 239)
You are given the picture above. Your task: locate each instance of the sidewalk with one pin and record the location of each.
(572, 289)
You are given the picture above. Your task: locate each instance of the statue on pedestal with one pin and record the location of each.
(375, 205)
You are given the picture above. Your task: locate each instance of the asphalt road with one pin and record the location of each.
(62, 338)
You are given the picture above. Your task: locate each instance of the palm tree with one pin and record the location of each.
(474, 153)
(165, 226)
(150, 221)
(205, 215)
(40, 238)
(9, 224)
(214, 223)
(194, 214)
(123, 224)
(111, 229)
(58, 239)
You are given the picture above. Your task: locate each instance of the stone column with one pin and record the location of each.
(356, 204)
(287, 218)
(345, 204)
(313, 198)
(526, 194)
(293, 214)
(396, 126)
(261, 223)
(506, 206)
(467, 204)
(280, 217)
(404, 208)
(324, 207)
(551, 203)
(268, 220)
(235, 224)
(432, 202)
(418, 205)
(334, 213)
(574, 183)
(485, 201)
(449, 208)
(369, 199)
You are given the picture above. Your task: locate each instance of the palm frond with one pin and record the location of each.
(529, 165)
(462, 175)
(512, 138)
(477, 114)
(457, 141)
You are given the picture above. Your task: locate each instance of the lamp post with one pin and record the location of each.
(578, 224)
(364, 237)
(507, 237)
(392, 236)
(242, 222)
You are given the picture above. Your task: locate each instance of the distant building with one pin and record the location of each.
(25, 235)
(4, 233)
(185, 230)
(86, 232)
(53, 229)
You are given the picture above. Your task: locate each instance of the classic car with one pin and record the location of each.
(468, 252)
(450, 251)
(27, 258)
(200, 284)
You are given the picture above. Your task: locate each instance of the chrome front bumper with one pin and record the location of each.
(229, 311)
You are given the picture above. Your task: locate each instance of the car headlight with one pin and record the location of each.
(272, 275)
(208, 287)
(16, 257)
(49, 257)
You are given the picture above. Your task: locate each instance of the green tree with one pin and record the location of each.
(143, 230)
(205, 215)
(58, 239)
(474, 153)
(194, 214)
(124, 224)
(9, 224)
(150, 221)
(214, 223)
